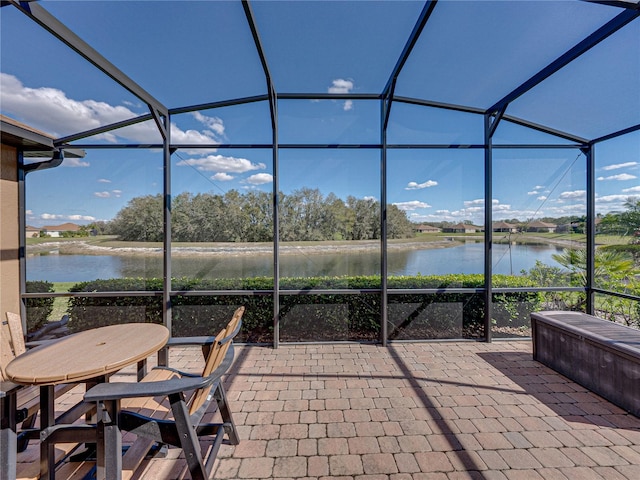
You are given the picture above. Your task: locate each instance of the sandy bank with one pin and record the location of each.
(84, 247)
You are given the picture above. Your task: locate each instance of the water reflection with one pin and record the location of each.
(467, 258)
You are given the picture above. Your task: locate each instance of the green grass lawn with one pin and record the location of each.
(60, 303)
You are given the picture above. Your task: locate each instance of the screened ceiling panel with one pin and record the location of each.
(48, 86)
(183, 53)
(473, 53)
(594, 95)
(328, 46)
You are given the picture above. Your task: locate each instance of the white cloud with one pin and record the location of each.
(191, 136)
(75, 163)
(620, 177)
(222, 177)
(105, 194)
(538, 187)
(221, 163)
(103, 180)
(573, 195)
(479, 201)
(370, 199)
(214, 124)
(533, 192)
(52, 111)
(418, 186)
(259, 179)
(620, 165)
(74, 218)
(542, 198)
(501, 207)
(412, 205)
(340, 85)
(631, 190)
(88, 218)
(612, 199)
(564, 210)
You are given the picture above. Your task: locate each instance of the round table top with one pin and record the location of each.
(87, 354)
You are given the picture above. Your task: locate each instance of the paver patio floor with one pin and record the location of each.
(412, 411)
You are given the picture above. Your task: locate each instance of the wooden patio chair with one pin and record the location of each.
(20, 404)
(27, 398)
(144, 410)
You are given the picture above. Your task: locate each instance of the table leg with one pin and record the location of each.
(47, 419)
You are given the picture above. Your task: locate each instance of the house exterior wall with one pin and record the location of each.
(9, 232)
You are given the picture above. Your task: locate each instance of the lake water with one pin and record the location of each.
(467, 258)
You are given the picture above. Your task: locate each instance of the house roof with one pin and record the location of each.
(65, 227)
(503, 225)
(33, 142)
(539, 224)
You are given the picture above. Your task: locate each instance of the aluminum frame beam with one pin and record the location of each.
(273, 110)
(390, 87)
(54, 26)
(102, 129)
(633, 4)
(589, 42)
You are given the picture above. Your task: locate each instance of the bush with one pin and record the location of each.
(308, 316)
(38, 309)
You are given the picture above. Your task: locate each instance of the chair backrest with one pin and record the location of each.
(216, 354)
(11, 340)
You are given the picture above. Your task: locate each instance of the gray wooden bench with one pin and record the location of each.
(600, 355)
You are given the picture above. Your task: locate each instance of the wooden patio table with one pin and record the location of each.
(91, 355)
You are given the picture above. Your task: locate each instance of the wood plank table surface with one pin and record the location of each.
(88, 354)
(91, 355)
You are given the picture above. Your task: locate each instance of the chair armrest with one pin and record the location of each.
(189, 341)
(120, 390)
(37, 343)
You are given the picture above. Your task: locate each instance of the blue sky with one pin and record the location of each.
(189, 53)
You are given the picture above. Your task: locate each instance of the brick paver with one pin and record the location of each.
(414, 411)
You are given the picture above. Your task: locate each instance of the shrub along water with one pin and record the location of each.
(305, 315)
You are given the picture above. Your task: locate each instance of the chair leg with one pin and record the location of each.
(108, 442)
(225, 412)
(8, 448)
(23, 440)
(188, 437)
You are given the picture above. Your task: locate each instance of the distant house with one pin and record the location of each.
(58, 230)
(541, 227)
(31, 232)
(504, 227)
(462, 228)
(570, 227)
(426, 229)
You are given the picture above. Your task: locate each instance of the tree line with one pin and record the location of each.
(304, 215)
